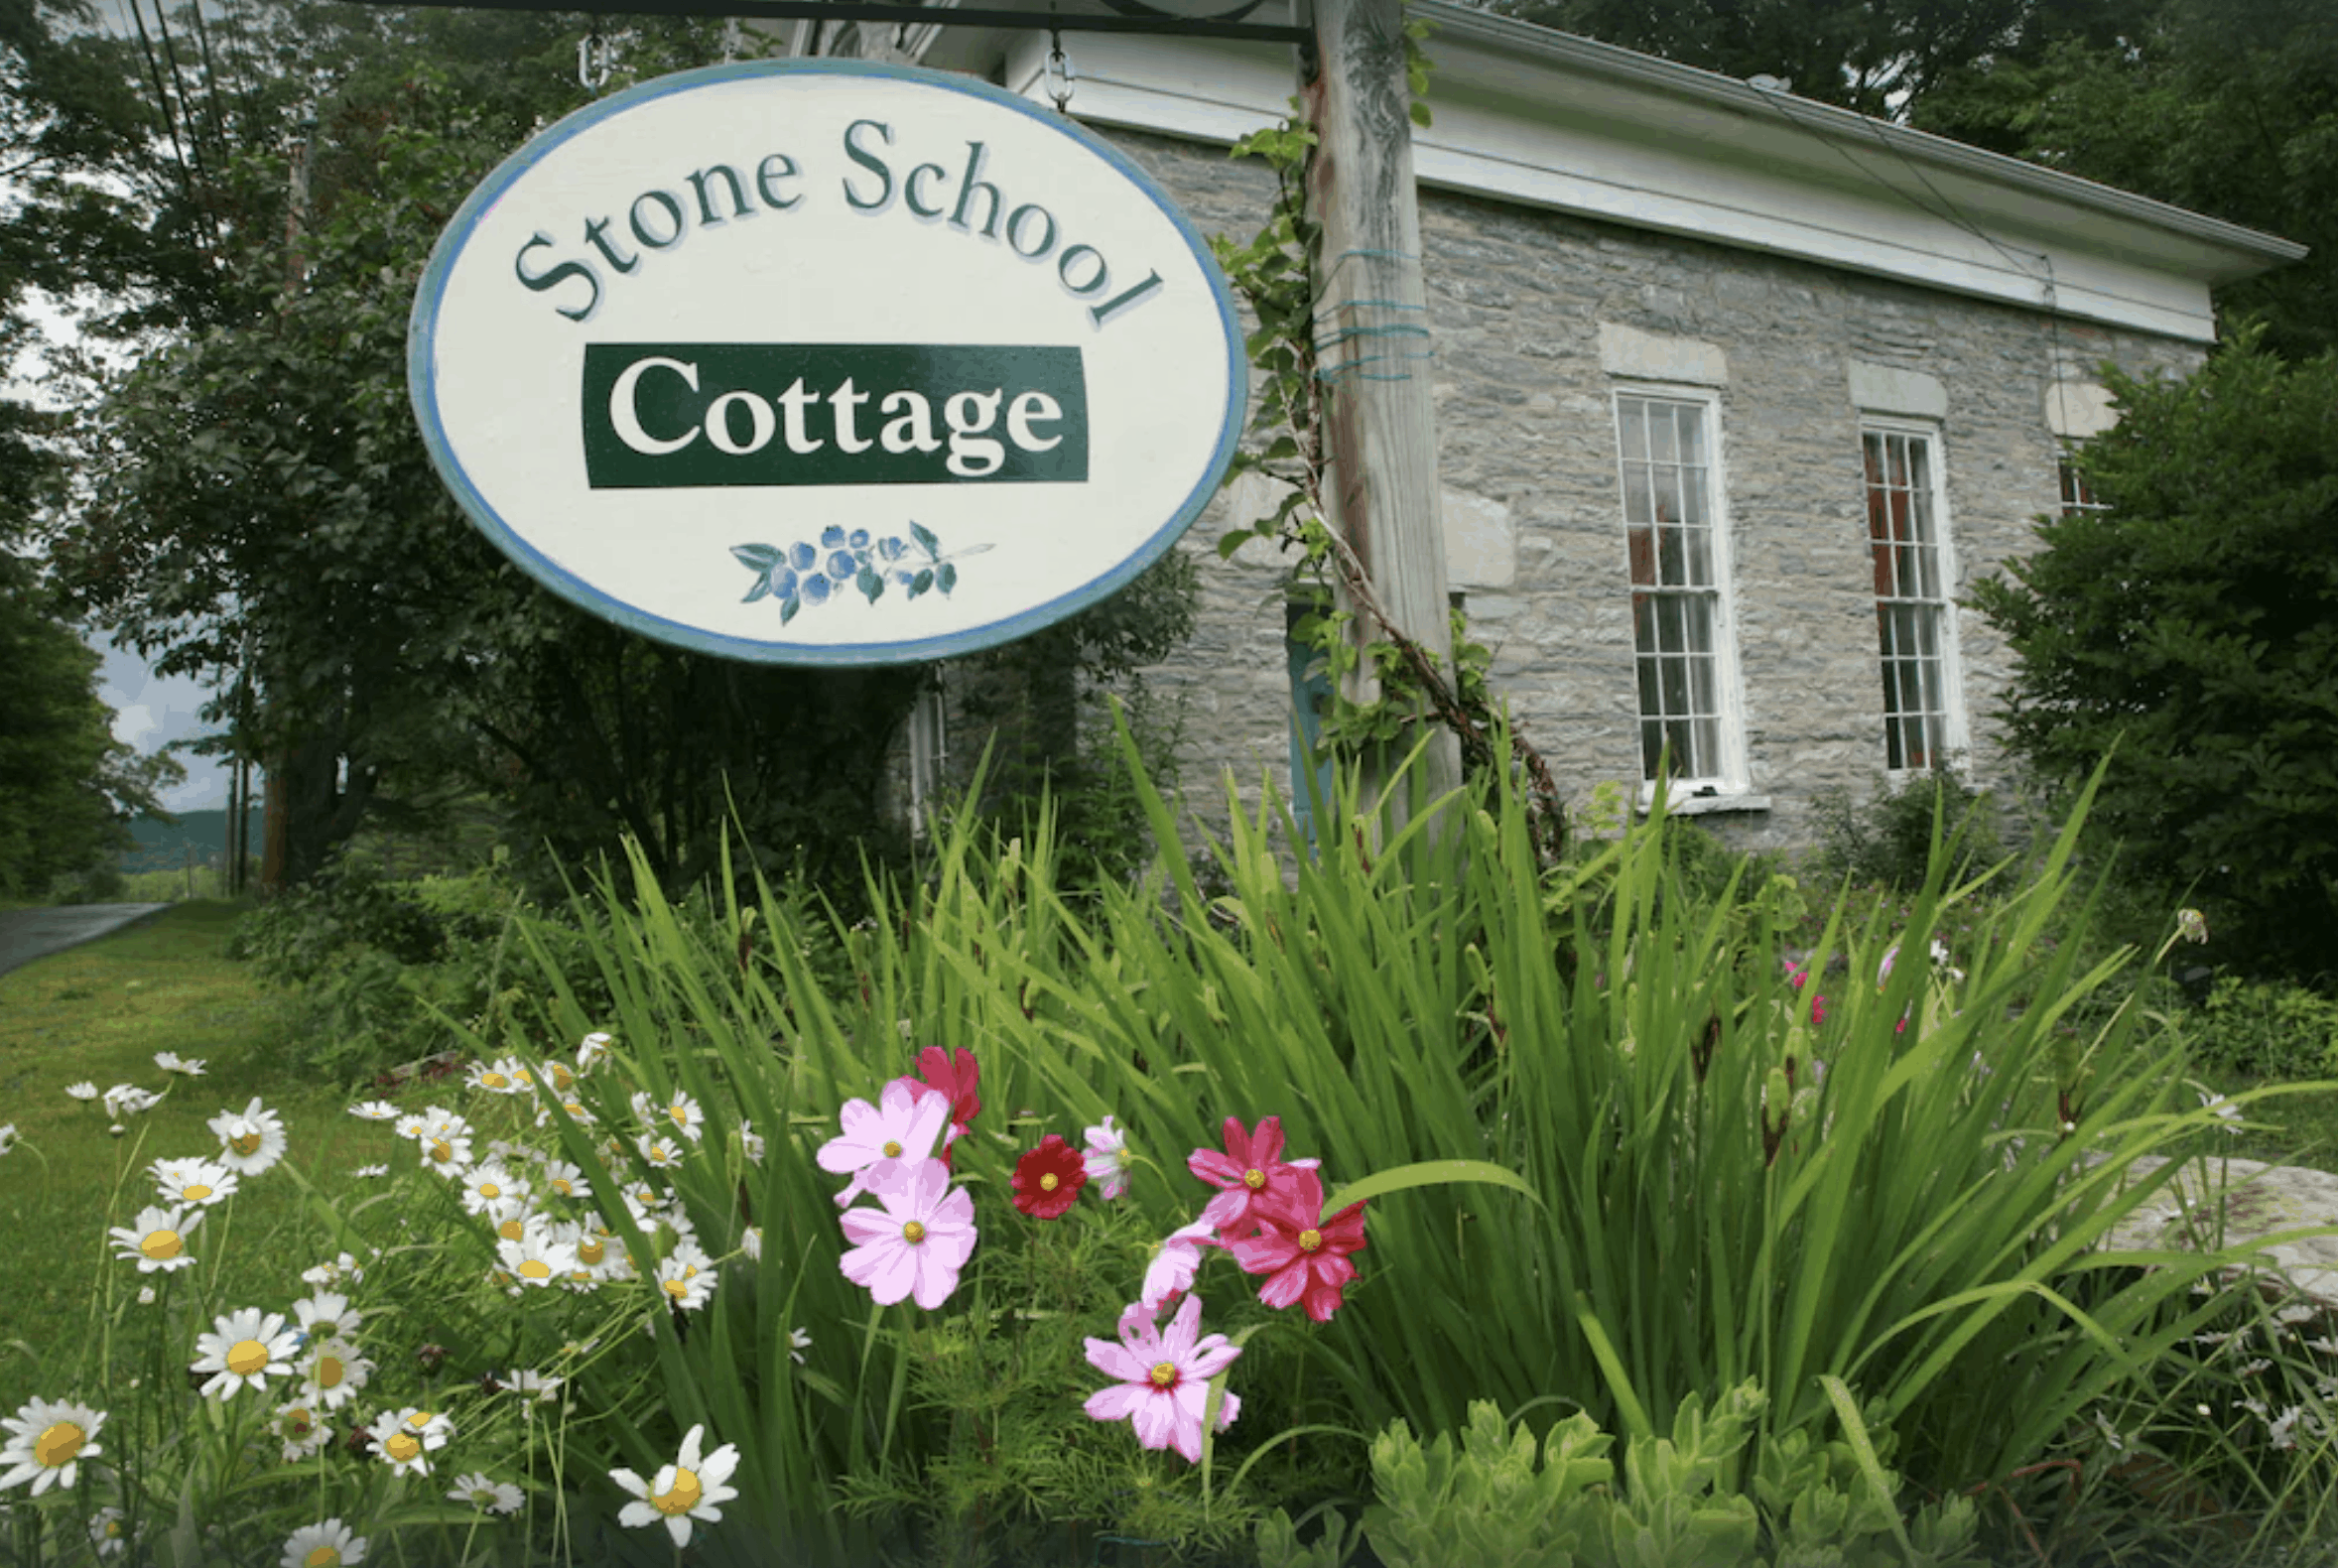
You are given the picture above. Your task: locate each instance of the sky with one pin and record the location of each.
(153, 709)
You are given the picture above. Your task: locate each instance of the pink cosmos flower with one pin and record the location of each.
(1248, 1170)
(917, 1244)
(882, 1142)
(1101, 1163)
(952, 1076)
(1164, 1382)
(1173, 1266)
(1305, 1255)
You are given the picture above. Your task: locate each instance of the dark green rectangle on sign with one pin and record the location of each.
(674, 416)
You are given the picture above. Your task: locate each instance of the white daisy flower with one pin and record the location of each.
(246, 1349)
(558, 1076)
(511, 1217)
(411, 1124)
(751, 1243)
(683, 1115)
(84, 1089)
(686, 1490)
(7, 1136)
(494, 1496)
(494, 1077)
(686, 1284)
(46, 1441)
(172, 1062)
(596, 1250)
(566, 1180)
(107, 1534)
(327, 1546)
(502, 1151)
(197, 1181)
(300, 1427)
(145, 1297)
(250, 1140)
(646, 1201)
(573, 1109)
(407, 1437)
(750, 1141)
(799, 1341)
(445, 1142)
(328, 1314)
(157, 1240)
(369, 1172)
(662, 1152)
(374, 1111)
(542, 1386)
(127, 1099)
(489, 1184)
(331, 1371)
(342, 1270)
(593, 1047)
(537, 1258)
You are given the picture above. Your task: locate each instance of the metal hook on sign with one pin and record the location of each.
(595, 58)
(1056, 76)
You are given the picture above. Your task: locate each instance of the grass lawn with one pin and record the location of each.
(101, 1012)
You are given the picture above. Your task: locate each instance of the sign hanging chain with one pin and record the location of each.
(1056, 75)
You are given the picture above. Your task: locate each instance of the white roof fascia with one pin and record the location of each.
(1546, 120)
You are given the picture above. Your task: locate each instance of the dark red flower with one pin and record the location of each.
(1250, 1168)
(954, 1074)
(1305, 1255)
(1047, 1181)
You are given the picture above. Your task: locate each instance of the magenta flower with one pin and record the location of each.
(954, 1076)
(1164, 1379)
(1248, 1170)
(1173, 1266)
(1305, 1255)
(882, 1142)
(917, 1244)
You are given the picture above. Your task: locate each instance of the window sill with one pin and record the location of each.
(1706, 805)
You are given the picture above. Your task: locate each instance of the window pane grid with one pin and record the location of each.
(1911, 607)
(1669, 525)
(2077, 495)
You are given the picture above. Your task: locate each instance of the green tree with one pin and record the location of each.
(2228, 108)
(2186, 636)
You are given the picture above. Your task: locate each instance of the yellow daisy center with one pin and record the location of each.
(1164, 1374)
(245, 1143)
(160, 1246)
(591, 1251)
(575, 1108)
(563, 1185)
(1254, 1178)
(246, 1357)
(913, 1233)
(58, 1445)
(521, 1075)
(680, 1498)
(329, 1371)
(678, 1288)
(488, 1189)
(535, 1269)
(493, 1081)
(511, 1229)
(892, 1148)
(562, 1078)
(296, 1423)
(195, 1192)
(1049, 1182)
(418, 1419)
(442, 1150)
(681, 1115)
(1309, 1240)
(322, 1557)
(402, 1445)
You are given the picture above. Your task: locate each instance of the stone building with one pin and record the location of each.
(1737, 394)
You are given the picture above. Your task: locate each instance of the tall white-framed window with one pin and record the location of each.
(1676, 535)
(1915, 628)
(2078, 497)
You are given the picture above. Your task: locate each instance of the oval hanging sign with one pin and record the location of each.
(825, 363)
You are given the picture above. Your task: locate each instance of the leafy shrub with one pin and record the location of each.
(1668, 1503)
(1888, 841)
(2265, 1030)
(2185, 634)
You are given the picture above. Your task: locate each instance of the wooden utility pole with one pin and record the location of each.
(1372, 331)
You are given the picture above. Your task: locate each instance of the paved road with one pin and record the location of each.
(29, 934)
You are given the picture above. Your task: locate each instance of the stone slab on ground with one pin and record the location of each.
(2249, 1200)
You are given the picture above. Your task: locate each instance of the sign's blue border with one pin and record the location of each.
(421, 383)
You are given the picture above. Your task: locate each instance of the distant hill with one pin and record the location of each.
(163, 846)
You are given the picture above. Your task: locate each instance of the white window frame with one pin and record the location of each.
(1954, 742)
(1726, 774)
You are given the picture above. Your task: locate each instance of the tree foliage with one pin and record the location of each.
(2186, 636)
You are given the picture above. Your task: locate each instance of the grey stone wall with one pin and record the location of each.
(1527, 449)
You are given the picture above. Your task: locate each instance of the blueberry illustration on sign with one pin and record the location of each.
(843, 328)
